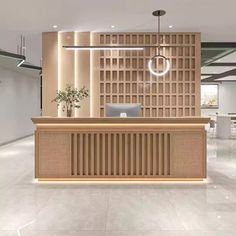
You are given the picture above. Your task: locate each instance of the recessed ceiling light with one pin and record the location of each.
(171, 26)
(112, 26)
(54, 26)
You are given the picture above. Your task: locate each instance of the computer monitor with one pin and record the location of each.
(123, 109)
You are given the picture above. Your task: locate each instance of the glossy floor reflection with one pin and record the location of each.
(170, 209)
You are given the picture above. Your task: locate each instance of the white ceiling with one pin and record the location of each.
(227, 59)
(216, 69)
(228, 78)
(214, 18)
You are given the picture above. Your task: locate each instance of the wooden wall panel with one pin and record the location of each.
(50, 72)
(82, 71)
(151, 154)
(54, 158)
(118, 154)
(186, 162)
(124, 76)
(94, 79)
(113, 148)
(66, 63)
(66, 59)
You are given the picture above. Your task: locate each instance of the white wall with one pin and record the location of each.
(227, 99)
(19, 101)
(10, 39)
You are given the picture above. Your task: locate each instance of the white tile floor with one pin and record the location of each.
(185, 209)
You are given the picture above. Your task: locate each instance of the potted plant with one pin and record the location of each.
(70, 98)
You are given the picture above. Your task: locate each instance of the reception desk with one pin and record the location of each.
(120, 148)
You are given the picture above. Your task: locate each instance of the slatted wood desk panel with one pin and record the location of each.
(120, 148)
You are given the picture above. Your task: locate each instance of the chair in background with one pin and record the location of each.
(233, 121)
(212, 126)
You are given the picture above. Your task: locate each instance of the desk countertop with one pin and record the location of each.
(115, 120)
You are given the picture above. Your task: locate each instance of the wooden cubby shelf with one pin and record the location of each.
(124, 76)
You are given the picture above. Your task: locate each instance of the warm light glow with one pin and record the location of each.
(54, 26)
(120, 181)
(75, 68)
(119, 125)
(59, 112)
(171, 26)
(159, 73)
(91, 76)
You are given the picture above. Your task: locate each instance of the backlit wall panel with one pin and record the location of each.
(123, 76)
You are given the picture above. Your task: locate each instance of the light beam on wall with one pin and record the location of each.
(91, 76)
(59, 112)
(75, 69)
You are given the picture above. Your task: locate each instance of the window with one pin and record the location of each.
(209, 96)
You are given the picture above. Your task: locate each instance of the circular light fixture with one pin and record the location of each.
(158, 14)
(171, 26)
(112, 26)
(54, 26)
(150, 62)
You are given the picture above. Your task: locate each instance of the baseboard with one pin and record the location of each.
(14, 140)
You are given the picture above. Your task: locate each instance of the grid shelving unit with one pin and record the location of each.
(124, 76)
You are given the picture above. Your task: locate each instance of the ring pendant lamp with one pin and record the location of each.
(158, 14)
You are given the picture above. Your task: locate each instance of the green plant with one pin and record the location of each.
(70, 98)
(212, 102)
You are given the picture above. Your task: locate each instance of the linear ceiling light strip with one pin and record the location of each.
(104, 48)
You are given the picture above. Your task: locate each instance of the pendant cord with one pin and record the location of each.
(159, 26)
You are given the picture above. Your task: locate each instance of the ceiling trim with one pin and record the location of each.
(223, 64)
(218, 45)
(219, 76)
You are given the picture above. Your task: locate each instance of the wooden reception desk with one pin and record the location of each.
(120, 148)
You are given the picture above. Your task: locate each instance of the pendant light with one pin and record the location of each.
(158, 14)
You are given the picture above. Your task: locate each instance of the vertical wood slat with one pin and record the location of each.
(75, 153)
(160, 154)
(165, 137)
(72, 154)
(91, 146)
(98, 154)
(109, 136)
(86, 156)
(148, 166)
(103, 154)
(155, 156)
(143, 153)
(137, 153)
(169, 148)
(121, 154)
(115, 149)
(132, 154)
(81, 153)
(126, 147)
